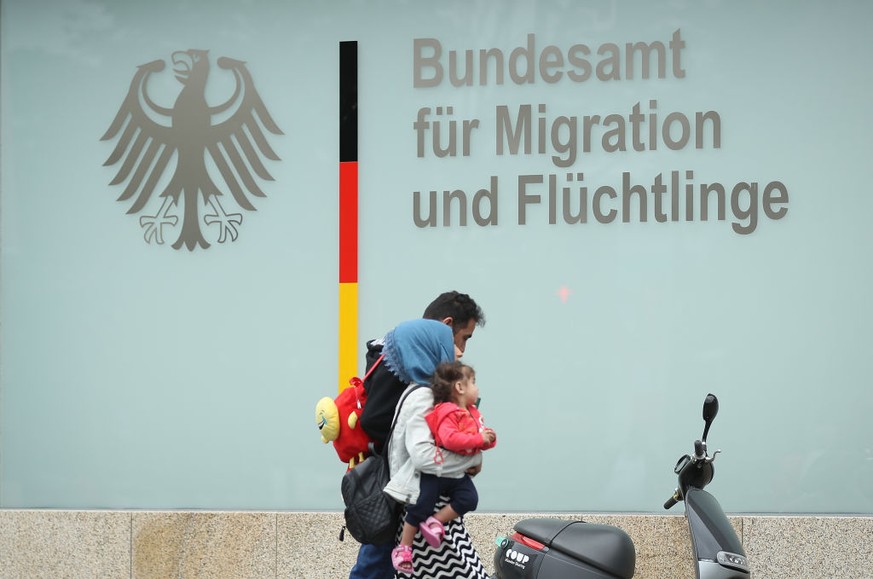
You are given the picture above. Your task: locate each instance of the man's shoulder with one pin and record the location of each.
(374, 350)
(381, 377)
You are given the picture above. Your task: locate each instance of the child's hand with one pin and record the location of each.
(488, 435)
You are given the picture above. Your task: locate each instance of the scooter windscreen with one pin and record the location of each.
(712, 536)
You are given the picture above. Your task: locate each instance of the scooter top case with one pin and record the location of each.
(559, 549)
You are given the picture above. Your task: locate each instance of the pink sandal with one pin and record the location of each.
(433, 531)
(401, 558)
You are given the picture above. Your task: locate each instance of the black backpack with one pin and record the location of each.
(372, 516)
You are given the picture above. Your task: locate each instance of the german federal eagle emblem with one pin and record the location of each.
(192, 152)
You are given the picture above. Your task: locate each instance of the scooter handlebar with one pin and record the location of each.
(671, 501)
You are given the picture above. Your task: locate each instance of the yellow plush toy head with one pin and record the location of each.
(327, 419)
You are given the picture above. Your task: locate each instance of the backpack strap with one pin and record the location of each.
(373, 367)
(408, 391)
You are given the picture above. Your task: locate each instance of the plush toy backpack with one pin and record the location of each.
(338, 420)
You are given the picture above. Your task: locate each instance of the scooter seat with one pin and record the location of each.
(605, 547)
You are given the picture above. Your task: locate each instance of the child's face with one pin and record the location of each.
(468, 391)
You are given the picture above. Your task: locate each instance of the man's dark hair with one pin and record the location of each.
(460, 307)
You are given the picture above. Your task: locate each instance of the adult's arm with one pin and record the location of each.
(383, 391)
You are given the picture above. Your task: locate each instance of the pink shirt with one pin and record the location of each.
(458, 429)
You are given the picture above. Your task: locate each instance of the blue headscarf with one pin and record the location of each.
(415, 348)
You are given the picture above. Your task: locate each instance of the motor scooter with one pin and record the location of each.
(541, 548)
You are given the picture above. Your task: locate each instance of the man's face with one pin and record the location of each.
(462, 335)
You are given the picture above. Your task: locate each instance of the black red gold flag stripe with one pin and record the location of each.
(348, 211)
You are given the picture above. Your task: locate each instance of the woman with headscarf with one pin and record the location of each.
(412, 351)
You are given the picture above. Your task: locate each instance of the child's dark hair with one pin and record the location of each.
(444, 379)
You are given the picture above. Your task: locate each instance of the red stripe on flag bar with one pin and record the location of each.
(348, 223)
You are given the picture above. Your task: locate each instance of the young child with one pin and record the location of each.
(457, 426)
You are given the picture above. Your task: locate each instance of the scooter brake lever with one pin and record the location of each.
(711, 459)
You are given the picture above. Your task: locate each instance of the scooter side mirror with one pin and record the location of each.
(710, 409)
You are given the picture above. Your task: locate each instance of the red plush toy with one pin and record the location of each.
(337, 419)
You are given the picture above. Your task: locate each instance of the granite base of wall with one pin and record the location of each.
(56, 544)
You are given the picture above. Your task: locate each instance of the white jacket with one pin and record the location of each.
(411, 449)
